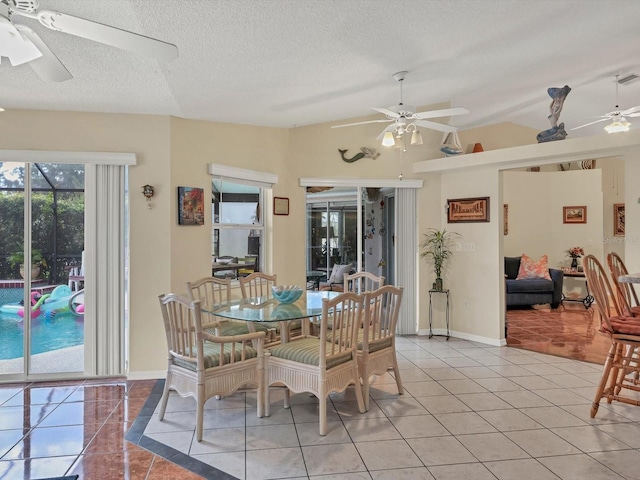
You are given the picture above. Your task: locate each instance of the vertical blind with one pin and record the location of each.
(104, 257)
(407, 258)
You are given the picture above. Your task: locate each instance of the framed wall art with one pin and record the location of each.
(506, 219)
(190, 206)
(618, 219)
(467, 210)
(574, 214)
(280, 206)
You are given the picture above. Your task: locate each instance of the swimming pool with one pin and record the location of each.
(62, 331)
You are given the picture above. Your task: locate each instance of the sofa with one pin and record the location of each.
(531, 291)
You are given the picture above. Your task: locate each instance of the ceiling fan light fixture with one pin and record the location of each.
(416, 137)
(400, 142)
(617, 126)
(388, 140)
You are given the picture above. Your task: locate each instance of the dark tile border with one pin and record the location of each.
(136, 435)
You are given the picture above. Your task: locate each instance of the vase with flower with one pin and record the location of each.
(575, 253)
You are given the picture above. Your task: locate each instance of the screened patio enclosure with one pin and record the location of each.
(57, 220)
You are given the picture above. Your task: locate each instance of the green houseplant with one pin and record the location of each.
(436, 249)
(37, 261)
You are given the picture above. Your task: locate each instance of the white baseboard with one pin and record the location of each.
(147, 375)
(466, 336)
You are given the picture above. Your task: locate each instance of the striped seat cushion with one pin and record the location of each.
(238, 328)
(307, 350)
(293, 325)
(374, 346)
(212, 355)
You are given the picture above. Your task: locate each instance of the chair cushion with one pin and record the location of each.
(622, 325)
(530, 268)
(307, 350)
(212, 355)
(373, 346)
(293, 325)
(229, 329)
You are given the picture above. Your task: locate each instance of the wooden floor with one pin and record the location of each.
(570, 331)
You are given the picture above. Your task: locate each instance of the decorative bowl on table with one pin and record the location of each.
(286, 293)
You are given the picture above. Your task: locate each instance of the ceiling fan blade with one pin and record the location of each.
(14, 45)
(630, 110)
(637, 114)
(390, 128)
(387, 112)
(446, 112)
(591, 123)
(105, 34)
(47, 67)
(441, 127)
(361, 123)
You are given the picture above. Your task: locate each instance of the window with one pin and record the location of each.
(238, 243)
(237, 227)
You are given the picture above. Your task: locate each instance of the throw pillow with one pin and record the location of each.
(530, 268)
(337, 273)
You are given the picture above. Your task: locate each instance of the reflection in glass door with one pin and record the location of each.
(339, 234)
(41, 306)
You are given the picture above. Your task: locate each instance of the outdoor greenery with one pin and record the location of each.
(69, 238)
(17, 257)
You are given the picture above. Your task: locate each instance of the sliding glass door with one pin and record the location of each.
(349, 226)
(42, 281)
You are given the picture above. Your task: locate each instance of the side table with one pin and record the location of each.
(431, 292)
(588, 299)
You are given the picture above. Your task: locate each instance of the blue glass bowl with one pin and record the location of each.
(286, 293)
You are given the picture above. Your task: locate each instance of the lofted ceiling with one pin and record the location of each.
(287, 63)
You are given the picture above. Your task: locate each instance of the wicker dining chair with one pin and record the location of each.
(376, 350)
(621, 365)
(361, 282)
(202, 365)
(259, 284)
(323, 364)
(211, 292)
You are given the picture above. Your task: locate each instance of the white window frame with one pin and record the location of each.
(263, 180)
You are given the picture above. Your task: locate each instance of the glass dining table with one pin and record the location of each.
(268, 309)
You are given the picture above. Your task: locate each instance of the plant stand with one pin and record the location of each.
(431, 292)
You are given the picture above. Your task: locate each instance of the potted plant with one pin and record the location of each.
(37, 261)
(436, 248)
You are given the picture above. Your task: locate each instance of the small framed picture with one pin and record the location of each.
(506, 219)
(280, 206)
(618, 219)
(190, 206)
(574, 214)
(467, 210)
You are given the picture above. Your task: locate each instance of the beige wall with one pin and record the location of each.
(174, 152)
(535, 213)
(535, 216)
(150, 234)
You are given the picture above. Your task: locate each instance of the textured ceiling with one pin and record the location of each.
(286, 63)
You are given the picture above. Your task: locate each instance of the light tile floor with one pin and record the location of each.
(469, 410)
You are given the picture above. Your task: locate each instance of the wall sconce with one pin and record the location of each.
(147, 191)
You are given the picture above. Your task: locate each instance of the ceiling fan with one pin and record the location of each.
(22, 45)
(618, 121)
(406, 120)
